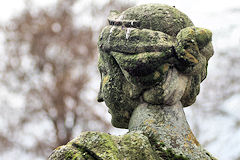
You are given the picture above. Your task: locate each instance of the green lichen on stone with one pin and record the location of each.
(143, 63)
(189, 42)
(102, 146)
(156, 17)
(135, 145)
(133, 40)
(69, 152)
(144, 69)
(152, 61)
(145, 38)
(192, 89)
(203, 37)
(112, 90)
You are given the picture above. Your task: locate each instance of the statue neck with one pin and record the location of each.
(166, 126)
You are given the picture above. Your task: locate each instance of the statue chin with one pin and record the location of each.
(118, 120)
(118, 124)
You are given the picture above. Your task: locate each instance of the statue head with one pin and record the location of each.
(151, 54)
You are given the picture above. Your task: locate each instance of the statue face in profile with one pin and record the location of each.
(150, 54)
(114, 91)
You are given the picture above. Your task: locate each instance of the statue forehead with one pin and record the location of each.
(156, 17)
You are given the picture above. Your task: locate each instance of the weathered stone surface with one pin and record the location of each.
(102, 146)
(152, 61)
(167, 125)
(156, 17)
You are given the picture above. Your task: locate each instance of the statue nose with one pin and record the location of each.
(100, 97)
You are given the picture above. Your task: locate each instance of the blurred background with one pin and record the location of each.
(49, 79)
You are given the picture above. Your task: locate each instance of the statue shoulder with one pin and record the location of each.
(70, 152)
(97, 145)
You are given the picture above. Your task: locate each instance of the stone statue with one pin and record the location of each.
(152, 61)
